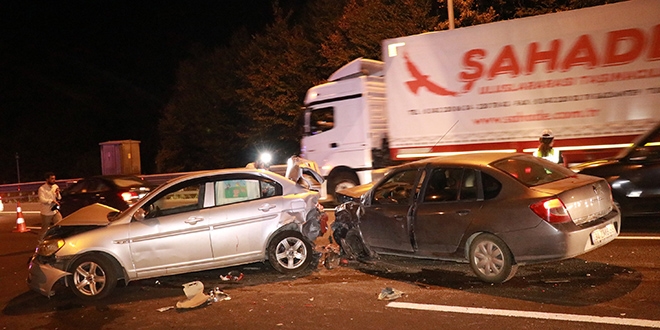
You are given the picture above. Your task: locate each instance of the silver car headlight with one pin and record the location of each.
(49, 247)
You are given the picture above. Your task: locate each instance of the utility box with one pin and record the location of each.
(120, 157)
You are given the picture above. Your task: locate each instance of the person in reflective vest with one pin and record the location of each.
(545, 150)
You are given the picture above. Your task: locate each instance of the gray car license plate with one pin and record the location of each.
(602, 234)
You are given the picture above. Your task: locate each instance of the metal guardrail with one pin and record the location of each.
(27, 192)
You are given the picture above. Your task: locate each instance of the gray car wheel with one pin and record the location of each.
(289, 252)
(491, 260)
(93, 277)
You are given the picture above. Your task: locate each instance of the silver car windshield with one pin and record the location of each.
(532, 171)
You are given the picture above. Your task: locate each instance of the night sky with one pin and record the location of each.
(74, 74)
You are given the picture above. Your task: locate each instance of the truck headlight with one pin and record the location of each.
(49, 247)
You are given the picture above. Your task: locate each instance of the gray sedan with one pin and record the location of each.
(494, 211)
(200, 221)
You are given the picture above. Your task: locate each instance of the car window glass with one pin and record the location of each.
(180, 198)
(397, 189)
(491, 186)
(532, 171)
(97, 186)
(238, 190)
(468, 185)
(128, 182)
(443, 185)
(418, 189)
(76, 188)
(650, 151)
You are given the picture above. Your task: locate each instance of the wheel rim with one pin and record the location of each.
(488, 258)
(344, 185)
(291, 252)
(89, 278)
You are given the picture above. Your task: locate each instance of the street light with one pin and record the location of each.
(18, 172)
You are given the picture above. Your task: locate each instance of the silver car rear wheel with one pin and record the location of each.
(491, 260)
(289, 252)
(93, 277)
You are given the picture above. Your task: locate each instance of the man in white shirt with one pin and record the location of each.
(49, 196)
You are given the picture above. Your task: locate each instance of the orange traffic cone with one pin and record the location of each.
(20, 222)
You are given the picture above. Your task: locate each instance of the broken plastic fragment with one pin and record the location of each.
(389, 294)
(234, 276)
(162, 309)
(195, 295)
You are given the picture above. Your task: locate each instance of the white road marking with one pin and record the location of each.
(640, 237)
(534, 315)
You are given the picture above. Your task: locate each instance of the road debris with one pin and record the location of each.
(233, 276)
(216, 295)
(195, 296)
(390, 294)
(330, 256)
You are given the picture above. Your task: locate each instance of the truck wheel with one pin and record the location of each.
(93, 277)
(289, 252)
(342, 180)
(491, 260)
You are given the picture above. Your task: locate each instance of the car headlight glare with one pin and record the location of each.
(49, 247)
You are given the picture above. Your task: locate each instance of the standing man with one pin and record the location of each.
(49, 196)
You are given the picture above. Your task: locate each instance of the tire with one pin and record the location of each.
(354, 246)
(289, 252)
(491, 260)
(342, 180)
(94, 277)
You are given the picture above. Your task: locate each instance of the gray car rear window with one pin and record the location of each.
(532, 171)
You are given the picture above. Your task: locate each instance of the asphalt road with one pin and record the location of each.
(614, 287)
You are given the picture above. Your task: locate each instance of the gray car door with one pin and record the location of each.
(446, 208)
(386, 222)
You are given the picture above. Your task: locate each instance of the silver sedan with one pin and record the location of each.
(200, 221)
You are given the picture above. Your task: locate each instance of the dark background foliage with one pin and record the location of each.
(202, 84)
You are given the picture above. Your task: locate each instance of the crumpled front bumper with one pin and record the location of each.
(346, 232)
(42, 277)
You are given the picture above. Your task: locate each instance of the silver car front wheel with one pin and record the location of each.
(93, 277)
(289, 252)
(491, 260)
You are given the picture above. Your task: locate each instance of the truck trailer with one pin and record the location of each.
(591, 76)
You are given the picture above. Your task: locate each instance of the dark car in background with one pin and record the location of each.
(117, 191)
(634, 175)
(495, 211)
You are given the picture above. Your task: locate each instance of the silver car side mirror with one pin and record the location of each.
(140, 214)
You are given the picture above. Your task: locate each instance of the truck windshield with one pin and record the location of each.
(532, 171)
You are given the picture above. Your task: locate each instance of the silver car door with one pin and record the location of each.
(251, 210)
(174, 236)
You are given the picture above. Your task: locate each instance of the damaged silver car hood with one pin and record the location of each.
(92, 215)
